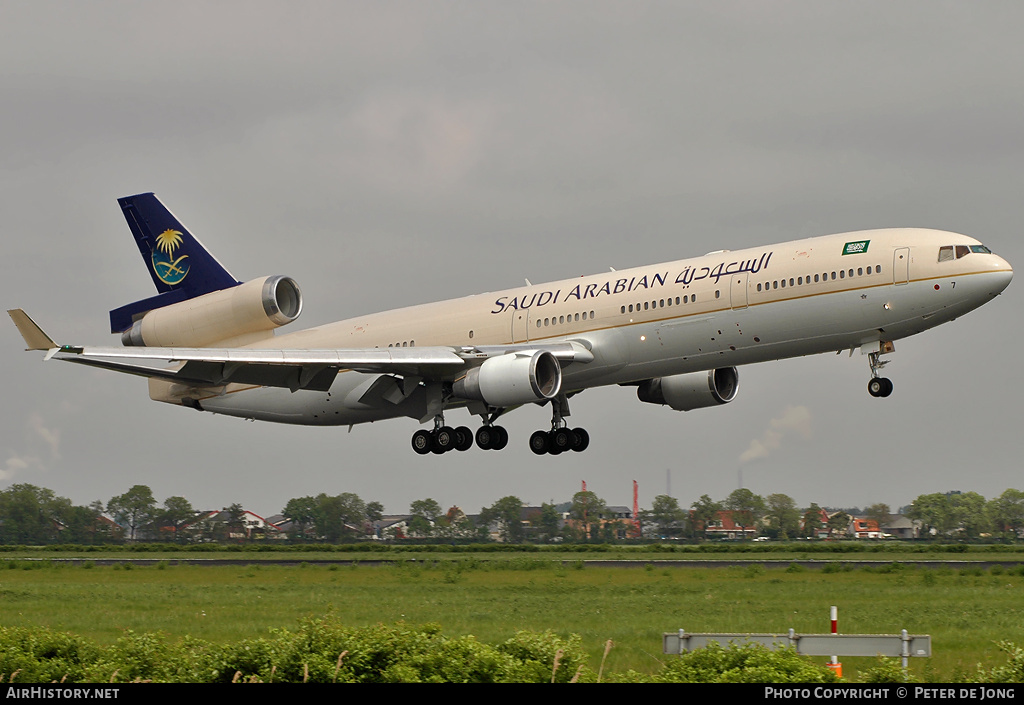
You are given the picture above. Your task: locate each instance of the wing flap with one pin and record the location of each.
(565, 352)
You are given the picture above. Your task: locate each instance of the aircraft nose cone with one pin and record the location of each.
(1001, 276)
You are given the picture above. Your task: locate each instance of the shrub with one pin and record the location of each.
(886, 670)
(739, 663)
(151, 657)
(536, 653)
(1010, 672)
(39, 655)
(325, 651)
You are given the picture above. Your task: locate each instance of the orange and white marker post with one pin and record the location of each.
(834, 663)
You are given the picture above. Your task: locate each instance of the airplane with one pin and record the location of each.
(677, 331)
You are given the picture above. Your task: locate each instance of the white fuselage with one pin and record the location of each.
(724, 309)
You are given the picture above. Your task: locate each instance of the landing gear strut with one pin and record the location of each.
(879, 386)
(560, 438)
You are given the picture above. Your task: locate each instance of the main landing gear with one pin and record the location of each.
(560, 438)
(879, 386)
(442, 439)
(445, 438)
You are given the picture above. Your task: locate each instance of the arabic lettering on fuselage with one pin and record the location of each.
(689, 275)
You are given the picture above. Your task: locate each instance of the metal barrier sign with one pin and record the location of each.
(893, 645)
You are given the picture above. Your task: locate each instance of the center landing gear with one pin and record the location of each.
(879, 386)
(560, 438)
(489, 436)
(442, 439)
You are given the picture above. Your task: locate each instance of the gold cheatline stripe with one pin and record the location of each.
(699, 313)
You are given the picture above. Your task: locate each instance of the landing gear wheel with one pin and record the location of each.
(485, 437)
(880, 387)
(560, 440)
(443, 440)
(463, 438)
(421, 441)
(581, 440)
(539, 442)
(502, 438)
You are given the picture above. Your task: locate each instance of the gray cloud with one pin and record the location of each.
(390, 153)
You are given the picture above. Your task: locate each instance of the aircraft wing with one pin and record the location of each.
(291, 369)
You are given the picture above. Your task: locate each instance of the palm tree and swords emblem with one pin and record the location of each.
(168, 269)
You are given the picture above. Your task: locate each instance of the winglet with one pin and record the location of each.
(34, 336)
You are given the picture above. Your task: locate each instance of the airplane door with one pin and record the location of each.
(521, 325)
(901, 265)
(738, 284)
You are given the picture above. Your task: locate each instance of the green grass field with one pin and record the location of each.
(966, 610)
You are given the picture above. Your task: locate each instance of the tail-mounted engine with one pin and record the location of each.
(512, 379)
(692, 391)
(251, 308)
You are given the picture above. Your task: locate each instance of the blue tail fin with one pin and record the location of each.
(180, 266)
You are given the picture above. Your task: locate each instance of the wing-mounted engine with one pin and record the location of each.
(238, 314)
(512, 379)
(695, 390)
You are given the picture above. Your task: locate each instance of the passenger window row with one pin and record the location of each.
(691, 298)
(562, 320)
(658, 303)
(817, 278)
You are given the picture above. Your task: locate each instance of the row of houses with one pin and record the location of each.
(615, 522)
(897, 526)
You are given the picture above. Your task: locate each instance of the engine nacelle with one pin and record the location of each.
(692, 391)
(512, 379)
(253, 307)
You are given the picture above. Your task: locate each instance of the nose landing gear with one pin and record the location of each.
(879, 386)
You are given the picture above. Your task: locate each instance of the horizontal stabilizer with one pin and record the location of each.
(34, 336)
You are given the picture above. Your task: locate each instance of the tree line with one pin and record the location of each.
(36, 515)
(960, 515)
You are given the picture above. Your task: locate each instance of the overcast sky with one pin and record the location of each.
(390, 153)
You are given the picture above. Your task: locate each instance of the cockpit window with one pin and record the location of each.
(948, 252)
